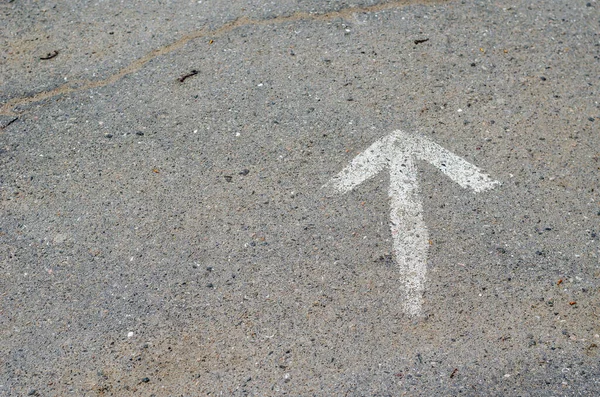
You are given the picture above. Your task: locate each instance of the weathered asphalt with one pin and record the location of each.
(171, 238)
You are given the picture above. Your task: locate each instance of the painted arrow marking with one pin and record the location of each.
(397, 152)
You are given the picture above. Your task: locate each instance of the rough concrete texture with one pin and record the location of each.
(170, 238)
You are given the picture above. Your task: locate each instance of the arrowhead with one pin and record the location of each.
(398, 144)
(364, 166)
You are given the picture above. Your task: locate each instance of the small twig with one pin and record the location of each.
(421, 41)
(190, 74)
(50, 55)
(9, 123)
(453, 373)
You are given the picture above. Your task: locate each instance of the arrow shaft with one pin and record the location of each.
(409, 232)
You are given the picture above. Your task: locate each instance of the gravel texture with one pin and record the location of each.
(170, 238)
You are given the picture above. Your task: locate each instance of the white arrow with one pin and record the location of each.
(397, 152)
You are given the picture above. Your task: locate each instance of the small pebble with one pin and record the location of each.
(32, 392)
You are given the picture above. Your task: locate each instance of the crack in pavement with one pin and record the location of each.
(8, 109)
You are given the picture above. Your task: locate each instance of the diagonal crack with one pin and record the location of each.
(8, 109)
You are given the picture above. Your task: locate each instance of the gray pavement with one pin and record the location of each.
(168, 235)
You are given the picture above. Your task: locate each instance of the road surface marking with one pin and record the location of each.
(397, 152)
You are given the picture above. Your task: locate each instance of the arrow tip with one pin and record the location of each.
(485, 183)
(331, 189)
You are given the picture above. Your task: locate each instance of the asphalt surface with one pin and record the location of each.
(168, 235)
